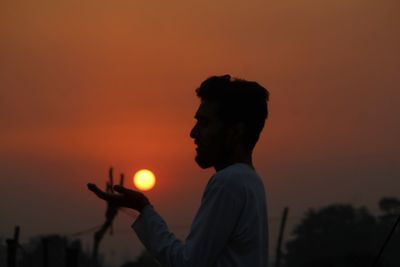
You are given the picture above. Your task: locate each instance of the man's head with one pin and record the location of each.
(230, 119)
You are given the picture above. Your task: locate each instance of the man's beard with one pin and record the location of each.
(203, 162)
(206, 159)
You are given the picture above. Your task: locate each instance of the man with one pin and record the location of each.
(230, 228)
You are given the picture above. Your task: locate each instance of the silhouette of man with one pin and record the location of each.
(230, 227)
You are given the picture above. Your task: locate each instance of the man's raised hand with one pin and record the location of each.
(123, 198)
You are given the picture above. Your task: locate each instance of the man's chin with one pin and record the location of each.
(203, 163)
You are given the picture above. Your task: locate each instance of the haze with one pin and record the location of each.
(89, 85)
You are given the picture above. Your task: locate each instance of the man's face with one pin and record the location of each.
(209, 136)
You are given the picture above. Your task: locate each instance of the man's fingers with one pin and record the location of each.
(98, 192)
(91, 186)
(120, 189)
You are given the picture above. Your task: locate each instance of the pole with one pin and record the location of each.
(111, 212)
(72, 254)
(45, 243)
(280, 238)
(12, 245)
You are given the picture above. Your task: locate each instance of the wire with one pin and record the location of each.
(386, 242)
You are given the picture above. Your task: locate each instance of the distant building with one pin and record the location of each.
(56, 250)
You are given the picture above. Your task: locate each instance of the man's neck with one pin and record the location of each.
(240, 158)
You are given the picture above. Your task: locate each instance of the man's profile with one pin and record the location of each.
(231, 226)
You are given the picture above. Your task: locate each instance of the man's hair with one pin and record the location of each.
(238, 100)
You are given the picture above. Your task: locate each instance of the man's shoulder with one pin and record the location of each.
(237, 177)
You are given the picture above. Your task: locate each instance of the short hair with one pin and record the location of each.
(238, 100)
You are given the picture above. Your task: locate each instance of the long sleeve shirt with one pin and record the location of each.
(229, 229)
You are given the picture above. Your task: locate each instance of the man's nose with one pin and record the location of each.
(193, 132)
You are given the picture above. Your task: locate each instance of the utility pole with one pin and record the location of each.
(12, 246)
(111, 213)
(45, 244)
(280, 238)
(72, 256)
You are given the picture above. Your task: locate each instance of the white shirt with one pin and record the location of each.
(230, 227)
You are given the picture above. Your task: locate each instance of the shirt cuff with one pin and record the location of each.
(145, 213)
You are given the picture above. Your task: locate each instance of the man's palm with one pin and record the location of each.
(124, 198)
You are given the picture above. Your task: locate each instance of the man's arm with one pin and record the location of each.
(210, 233)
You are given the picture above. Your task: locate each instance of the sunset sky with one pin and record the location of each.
(85, 85)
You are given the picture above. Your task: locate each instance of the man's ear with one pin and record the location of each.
(240, 130)
(236, 132)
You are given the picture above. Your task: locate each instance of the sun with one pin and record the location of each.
(144, 180)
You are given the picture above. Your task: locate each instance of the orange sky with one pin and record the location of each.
(87, 85)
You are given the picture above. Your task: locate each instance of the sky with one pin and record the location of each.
(85, 85)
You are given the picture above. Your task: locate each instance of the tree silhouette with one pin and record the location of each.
(335, 236)
(344, 236)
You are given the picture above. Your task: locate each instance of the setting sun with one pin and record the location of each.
(144, 180)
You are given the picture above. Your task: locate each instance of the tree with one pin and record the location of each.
(344, 236)
(390, 208)
(335, 236)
